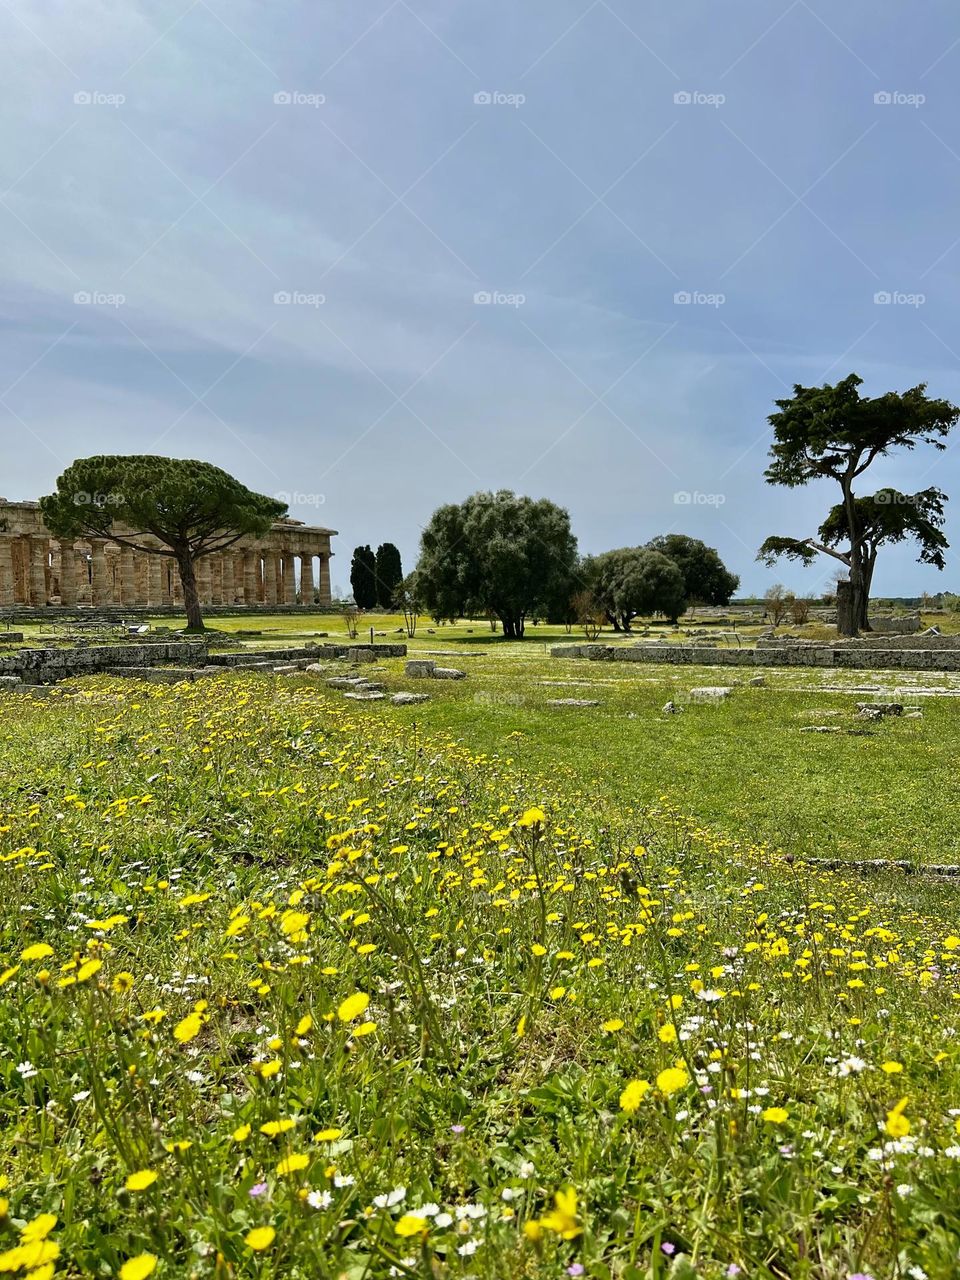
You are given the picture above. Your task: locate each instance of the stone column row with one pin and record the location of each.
(29, 574)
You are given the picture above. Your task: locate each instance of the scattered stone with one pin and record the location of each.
(758, 682)
(419, 668)
(408, 699)
(876, 710)
(448, 673)
(343, 682)
(820, 728)
(10, 682)
(365, 695)
(931, 631)
(913, 715)
(711, 693)
(671, 709)
(572, 702)
(358, 654)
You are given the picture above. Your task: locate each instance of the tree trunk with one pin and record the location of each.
(191, 601)
(846, 609)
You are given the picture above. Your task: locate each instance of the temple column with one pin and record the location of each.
(289, 577)
(227, 587)
(270, 565)
(98, 566)
(215, 579)
(6, 569)
(155, 567)
(203, 579)
(306, 579)
(68, 574)
(128, 576)
(251, 564)
(325, 596)
(38, 549)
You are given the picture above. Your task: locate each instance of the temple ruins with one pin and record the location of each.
(289, 565)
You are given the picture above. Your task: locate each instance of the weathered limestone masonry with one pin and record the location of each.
(38, 570)
(772, 655)
(46, 666)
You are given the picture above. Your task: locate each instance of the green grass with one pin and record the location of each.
(294, 987)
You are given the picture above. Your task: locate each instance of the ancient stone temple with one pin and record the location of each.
(289, 565)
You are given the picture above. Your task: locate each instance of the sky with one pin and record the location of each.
(373, 258)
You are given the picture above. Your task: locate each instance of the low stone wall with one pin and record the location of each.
(311, 651)
(45, 666)
(770, 656)
(54, 613)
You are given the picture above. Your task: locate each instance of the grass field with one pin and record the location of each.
(298, 987)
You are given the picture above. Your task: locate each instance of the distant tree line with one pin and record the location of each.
(513, 558)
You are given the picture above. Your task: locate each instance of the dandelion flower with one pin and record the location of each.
(353, 1007)
(140, 1180)
(672, 1079)
(775, 1115)
(138, 1268)
(633, 1095)
(411, 1224)
(260, 1238)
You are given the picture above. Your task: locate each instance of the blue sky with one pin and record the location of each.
(183, 162)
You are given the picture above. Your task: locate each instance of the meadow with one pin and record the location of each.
(298, 987)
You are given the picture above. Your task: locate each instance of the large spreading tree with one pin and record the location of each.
(707, 580)
(190, 508)
(834, 433)
(631, 581)
(495, 553)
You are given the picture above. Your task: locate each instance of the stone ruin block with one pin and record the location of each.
(420, 668)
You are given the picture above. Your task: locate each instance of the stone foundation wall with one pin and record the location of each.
(771, 656)
(44, 666)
